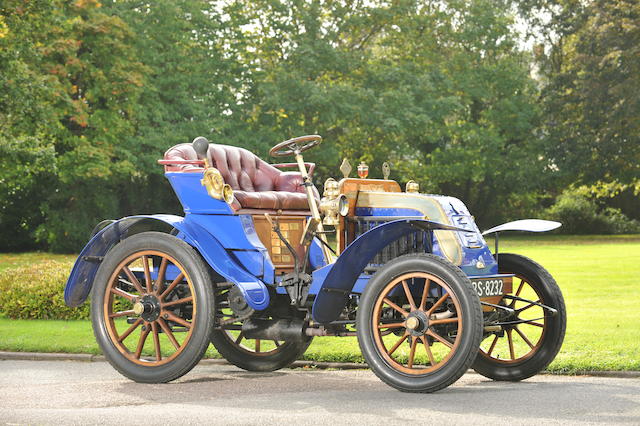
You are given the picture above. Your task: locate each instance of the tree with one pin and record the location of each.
(594, 101)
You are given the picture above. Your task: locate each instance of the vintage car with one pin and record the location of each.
(260, 264)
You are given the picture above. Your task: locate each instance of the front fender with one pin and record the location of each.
(529, 225)
(336, 287)
(84, 270)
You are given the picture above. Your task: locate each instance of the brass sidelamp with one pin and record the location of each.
(212, 179)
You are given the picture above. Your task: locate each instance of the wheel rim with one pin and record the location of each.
(402, 322)
(137, 305)
(520, 341)
(255, 347)
(233, 330)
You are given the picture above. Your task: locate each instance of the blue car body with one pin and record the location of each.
(230, 245)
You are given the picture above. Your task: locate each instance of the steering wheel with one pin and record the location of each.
(289, 147)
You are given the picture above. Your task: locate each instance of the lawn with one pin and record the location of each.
(597, 274)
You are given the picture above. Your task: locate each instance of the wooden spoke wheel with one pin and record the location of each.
(251, 354)
(531, 337)
(152, 307)
(419, 323)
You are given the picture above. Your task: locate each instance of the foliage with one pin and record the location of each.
(92, 93)
(580, 214)
(36, 292)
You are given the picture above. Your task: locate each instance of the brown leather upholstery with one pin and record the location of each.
(256, 184)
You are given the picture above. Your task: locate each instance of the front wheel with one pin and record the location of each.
(152, 307)
(530, 338)
(419, 323)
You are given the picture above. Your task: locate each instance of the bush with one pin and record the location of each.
(37, 292)
(580, 215)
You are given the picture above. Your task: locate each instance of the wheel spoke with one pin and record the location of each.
(178, 302)
(412, 352)
(156, 341)
(391, 325)
(130, 330)
(132, 278)
(407, 293)
(147, 274)
(398, 343)
(121, 314)
(161, 272)
(396, 307)
(537, 324)
(527, 341)
(493, 345)
(257, 345)
(177, 319)
(510, 338)
(439, 338)
(239, 338)
(167, 330)
(143, 336)
(444, 321)
(122, 293)
(437, 304)
(513, 302)
(529, 306)
(173, 285)
(425, 293)
(428, 349)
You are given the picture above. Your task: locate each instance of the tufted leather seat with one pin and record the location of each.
(256, 184)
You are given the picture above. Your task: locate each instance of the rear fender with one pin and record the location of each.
(335, 288)
(84, 271)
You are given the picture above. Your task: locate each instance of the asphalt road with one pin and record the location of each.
(67, 392)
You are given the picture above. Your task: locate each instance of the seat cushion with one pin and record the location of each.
(272, 200)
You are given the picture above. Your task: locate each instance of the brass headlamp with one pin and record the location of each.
(333, 204)
(412, 186)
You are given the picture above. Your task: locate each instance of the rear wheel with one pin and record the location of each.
(251, 354)
(419, 323)
(533, 335)
(152, 307)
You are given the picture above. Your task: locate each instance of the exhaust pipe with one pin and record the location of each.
(280, 329)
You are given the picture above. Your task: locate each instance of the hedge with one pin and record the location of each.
(37, 292)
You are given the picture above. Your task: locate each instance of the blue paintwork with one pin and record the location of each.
(193, 196)
(333, 290)
(190, 230)
(388, 211)
(316, 256)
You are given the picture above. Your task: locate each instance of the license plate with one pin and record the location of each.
(491, 286)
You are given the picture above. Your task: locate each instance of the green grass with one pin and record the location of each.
(14, 260)
(598, 276)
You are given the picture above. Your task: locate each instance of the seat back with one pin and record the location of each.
(240, 168)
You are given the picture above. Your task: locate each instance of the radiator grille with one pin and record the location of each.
(416, 242)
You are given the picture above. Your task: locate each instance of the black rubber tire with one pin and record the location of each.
(471, 316)
(200, 276)
(554, 329)
(286, 354)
